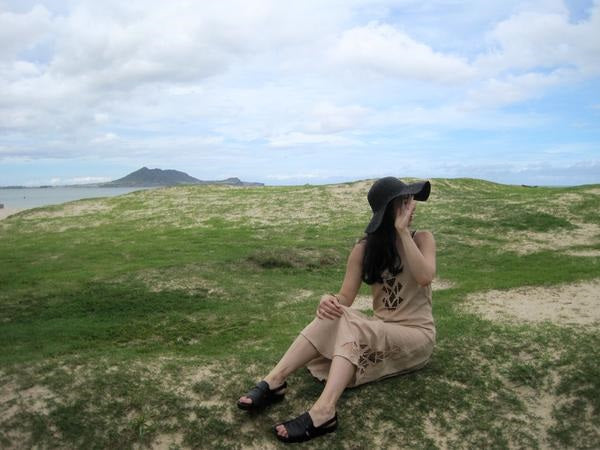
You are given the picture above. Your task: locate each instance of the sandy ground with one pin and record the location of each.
(5, 212)
(565, 304)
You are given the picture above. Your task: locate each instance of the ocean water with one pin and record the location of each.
(34, 197)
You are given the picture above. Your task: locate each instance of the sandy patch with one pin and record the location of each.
(177, 279)
(440, 284)
(13, 401)
(592, 253)
(36, 397)
(569, 197)
(200, 385)
(8, 400)
(568, 304)
(540, 406)
(168, 441)
(60, 218)
(442, 437)
(363, 303)
(558, 206)
(524, 242)
(6, 212)
(297, 297)
(355, 188)
(349, 198)
(382, 433)
(79, 208)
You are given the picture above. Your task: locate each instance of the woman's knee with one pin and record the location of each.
(326, 323)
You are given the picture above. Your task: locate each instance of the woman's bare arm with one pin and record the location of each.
(329, 305)
(419, 254)
(353, 277)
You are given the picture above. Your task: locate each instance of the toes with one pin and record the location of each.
(245, 400)
(281, 431)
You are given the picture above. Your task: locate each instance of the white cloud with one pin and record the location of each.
(329, 118)
(532, 52)
(104, 139)
(297, 176)
(298, 139)
(512, 89)
(120, 46)
(60, 181)
(153, 80)
(544, 173)
(535, 40)
(21, 31)
(383, 49)
(105, 54)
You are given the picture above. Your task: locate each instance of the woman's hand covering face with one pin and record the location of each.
(404, 212)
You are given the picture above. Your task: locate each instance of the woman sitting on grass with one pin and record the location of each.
(347, 348)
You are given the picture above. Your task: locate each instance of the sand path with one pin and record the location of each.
(564, 304)
(5, 212)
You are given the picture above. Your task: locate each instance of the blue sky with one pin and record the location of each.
(300, 92)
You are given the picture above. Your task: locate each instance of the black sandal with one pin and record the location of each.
(302, 428)
(262, 396)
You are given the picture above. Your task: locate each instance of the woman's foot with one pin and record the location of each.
(319, 415)
(263, 394)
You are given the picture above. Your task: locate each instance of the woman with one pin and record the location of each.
(347, 348)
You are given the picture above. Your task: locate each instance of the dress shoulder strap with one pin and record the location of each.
(412, 234)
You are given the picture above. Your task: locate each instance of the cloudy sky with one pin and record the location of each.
(288, 92)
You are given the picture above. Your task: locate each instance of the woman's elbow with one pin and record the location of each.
(424, 282)
(426, 278)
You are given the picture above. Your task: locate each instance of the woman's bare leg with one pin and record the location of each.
(298, 354)
(340, 375)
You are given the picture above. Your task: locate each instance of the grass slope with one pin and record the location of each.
(138, 320)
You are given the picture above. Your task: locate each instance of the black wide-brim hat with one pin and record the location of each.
(387, 189)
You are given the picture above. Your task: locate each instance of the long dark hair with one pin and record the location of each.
(380, 251)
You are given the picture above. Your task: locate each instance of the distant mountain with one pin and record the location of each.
(233, 182)
(145, 177)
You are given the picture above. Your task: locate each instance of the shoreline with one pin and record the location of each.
(7, 212)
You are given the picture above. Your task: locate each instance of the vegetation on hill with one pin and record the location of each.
(139, 320)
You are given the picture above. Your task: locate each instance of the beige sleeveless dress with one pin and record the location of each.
(398, 339)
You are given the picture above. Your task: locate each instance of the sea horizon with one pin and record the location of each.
(26, 197)
(35, 197)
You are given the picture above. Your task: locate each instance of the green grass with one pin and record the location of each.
(138, 320)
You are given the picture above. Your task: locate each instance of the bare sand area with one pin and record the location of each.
(563, 304)
(5, 212)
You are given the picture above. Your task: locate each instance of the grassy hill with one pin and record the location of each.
(139, 320)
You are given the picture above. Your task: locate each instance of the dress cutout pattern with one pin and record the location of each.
(391, 288)
(369, 357)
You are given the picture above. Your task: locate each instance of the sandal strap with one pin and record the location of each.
(302, 428)
(261, 394)
(298, 428)
(328, 423)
